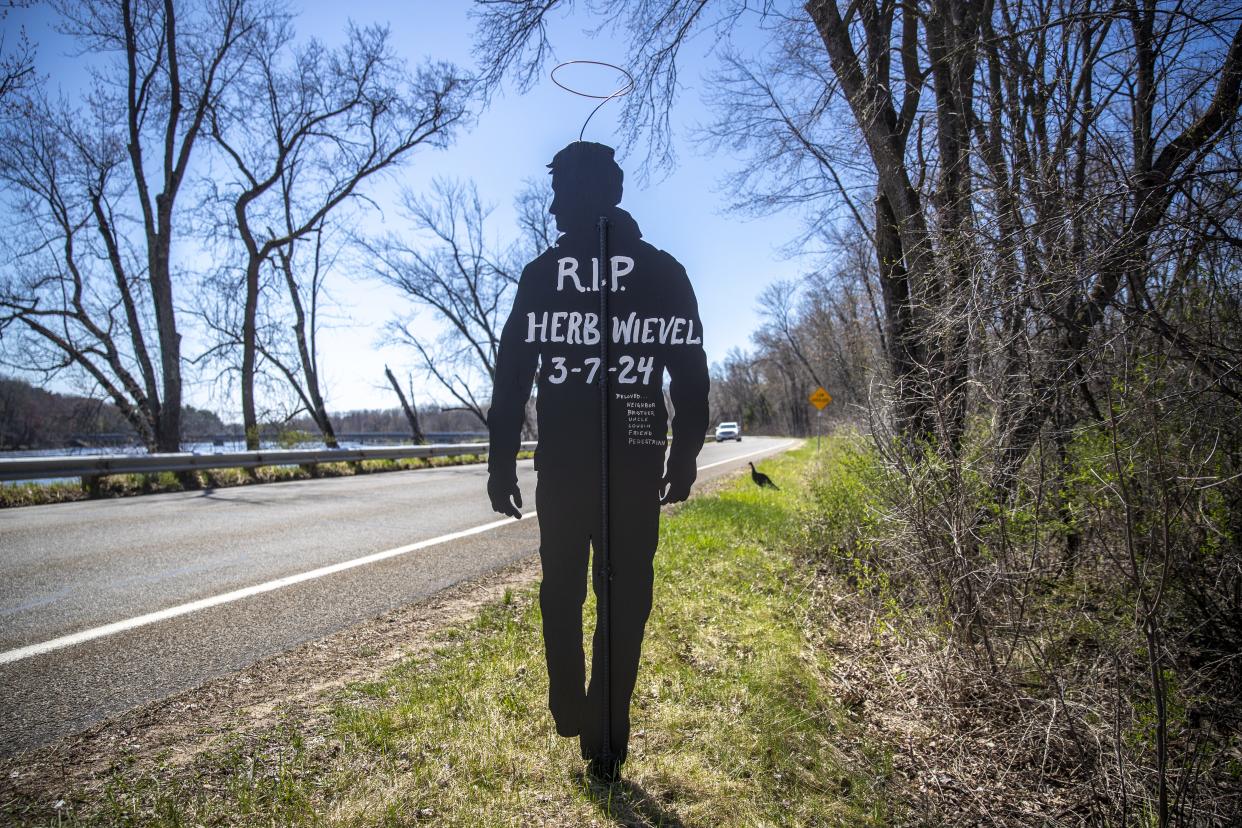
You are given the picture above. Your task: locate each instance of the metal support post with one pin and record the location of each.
(603, 552)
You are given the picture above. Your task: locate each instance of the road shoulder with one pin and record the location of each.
(173, 730)
(292, 686)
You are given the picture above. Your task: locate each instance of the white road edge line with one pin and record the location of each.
(10, 656)
(238, 594)
(781, 447)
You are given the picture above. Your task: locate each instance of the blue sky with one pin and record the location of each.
(729, 258)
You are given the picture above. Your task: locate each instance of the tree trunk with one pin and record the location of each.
(167, 413)
(250, 420)
(410, 413)
(908, 271)
(905, 345)
(952, 30)
(306, 346)
(322, 420)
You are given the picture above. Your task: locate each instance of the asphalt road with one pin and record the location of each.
(106, 605)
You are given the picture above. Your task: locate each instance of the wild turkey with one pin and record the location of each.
(761, 479)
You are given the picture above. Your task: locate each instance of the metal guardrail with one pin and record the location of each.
(122, 438)
(93, 466)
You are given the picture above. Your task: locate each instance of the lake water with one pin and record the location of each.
(207, 448)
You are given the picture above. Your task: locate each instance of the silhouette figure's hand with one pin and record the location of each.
(505, 496)
(678, 480)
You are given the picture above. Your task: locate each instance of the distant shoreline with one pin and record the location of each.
(15, 494)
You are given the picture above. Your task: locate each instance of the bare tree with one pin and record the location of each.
(1119, 252)
(512, 42)
(304, 128)
(288, 341)
(17, 71)
(92, 275)
(815, 331)
(777, 305)
(411, 413)
(738, 393)
(465, 277)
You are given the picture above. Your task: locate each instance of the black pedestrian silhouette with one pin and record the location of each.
(761, 479)
(554, 332)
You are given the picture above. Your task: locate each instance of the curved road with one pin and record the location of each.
(106, 605)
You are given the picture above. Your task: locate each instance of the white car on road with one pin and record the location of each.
(728, 431)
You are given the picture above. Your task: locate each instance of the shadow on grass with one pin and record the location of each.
(627, 804)
(763, 515)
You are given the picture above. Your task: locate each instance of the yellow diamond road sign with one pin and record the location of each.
(820, 398)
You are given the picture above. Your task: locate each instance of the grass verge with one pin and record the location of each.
(128, 485)
(734, 722)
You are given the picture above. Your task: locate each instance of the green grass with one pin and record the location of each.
(128, 485)
(733, 724)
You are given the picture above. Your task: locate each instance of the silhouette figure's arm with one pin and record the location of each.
(688, 386)
(516, 361)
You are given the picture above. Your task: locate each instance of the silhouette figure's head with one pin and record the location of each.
(586, 183)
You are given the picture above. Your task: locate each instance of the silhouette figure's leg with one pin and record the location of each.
(564, 545)
(635, 533)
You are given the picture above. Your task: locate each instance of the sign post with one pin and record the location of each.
(820, 399)
(607, 758)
